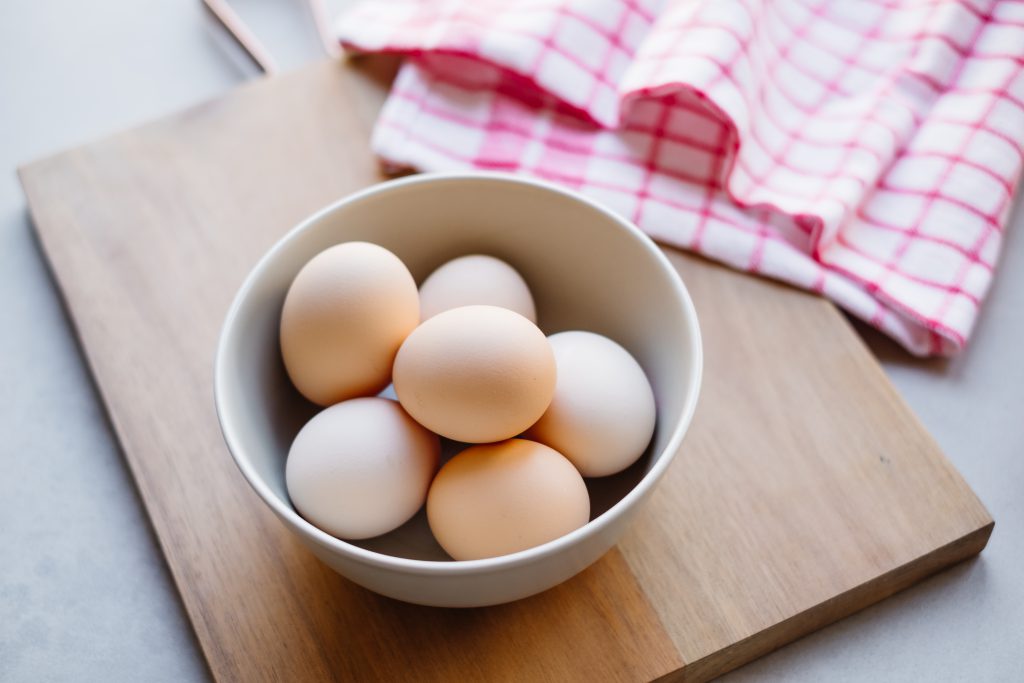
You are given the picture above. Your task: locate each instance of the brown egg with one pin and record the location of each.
(476, 279)
(476, 374)
(344, 318)
(501, 498)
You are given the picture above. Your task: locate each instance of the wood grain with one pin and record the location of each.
(806, 489)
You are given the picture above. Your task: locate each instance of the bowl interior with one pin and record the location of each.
(586, 270)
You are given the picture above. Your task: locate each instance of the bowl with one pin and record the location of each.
(588, 269)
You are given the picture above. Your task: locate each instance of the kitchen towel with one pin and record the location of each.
(867, 150)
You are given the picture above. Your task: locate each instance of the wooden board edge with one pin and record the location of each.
(196, 624)
(848, 320)
(831, 611)
(372, 73)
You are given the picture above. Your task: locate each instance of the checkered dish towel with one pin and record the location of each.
(864, 149)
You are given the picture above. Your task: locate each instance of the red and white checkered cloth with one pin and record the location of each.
(864, 149)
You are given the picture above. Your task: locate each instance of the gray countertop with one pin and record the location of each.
(84, 591)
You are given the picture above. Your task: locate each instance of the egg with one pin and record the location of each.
(602, 415)
(344, 317)
(501, 498)
(475, 374)
(476, 279)
(361, 468)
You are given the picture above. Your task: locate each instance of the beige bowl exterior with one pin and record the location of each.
(587, 268)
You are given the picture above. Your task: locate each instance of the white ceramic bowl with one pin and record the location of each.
(588, 269)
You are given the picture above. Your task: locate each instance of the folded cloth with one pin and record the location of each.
(867, 149)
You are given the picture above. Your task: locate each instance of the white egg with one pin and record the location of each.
(602, 415)
(361, 468)
(472, 280)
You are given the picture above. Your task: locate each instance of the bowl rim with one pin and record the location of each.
(455, 567)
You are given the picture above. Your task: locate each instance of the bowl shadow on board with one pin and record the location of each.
(414, 540)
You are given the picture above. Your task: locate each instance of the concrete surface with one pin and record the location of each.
(84, 592)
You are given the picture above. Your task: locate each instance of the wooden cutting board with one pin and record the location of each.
(806, 489)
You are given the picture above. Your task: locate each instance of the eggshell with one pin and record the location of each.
(505, 497)
(361, 468)
(475, 374)
(476, 279)
(344, 317)
(602, 415)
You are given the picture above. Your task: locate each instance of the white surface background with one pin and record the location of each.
(84, 592)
